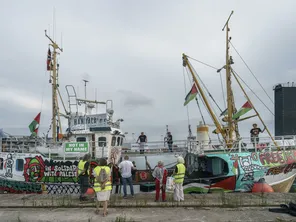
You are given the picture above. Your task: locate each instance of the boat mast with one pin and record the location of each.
(230, 129)
(213, 116)
(54, 88)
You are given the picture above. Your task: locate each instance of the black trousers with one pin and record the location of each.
(84, 184)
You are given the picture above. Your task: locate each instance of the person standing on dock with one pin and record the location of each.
(102, 185)
(143, 141)
(255, 134)
(160, 175)
(126, 168)
(83, 175)
(179, 174)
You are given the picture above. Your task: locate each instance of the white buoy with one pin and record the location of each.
(203, 135)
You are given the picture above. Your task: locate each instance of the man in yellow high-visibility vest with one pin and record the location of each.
(102, 186)
(179, 175)
(83, 171)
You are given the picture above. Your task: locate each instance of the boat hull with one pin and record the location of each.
(240, 171)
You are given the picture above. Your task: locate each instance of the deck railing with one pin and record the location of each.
(29, 145)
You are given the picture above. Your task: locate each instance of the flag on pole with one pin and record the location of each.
(48, 61)
(191, 95)
(34, 126)
(243, 110)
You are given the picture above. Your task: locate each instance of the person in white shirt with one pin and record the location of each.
(126, 167)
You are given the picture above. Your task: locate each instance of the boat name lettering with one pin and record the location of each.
(278, 157)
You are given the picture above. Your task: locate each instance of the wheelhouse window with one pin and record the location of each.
(121, 141)
(113, 142)
(102, 141)
(80, 139)
(118, 141)
(19, 166)
(1, 163)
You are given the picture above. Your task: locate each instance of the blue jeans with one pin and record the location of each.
(130, 182)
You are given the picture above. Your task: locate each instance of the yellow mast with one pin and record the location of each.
(54, 89)
(216, 122)
(230, 100)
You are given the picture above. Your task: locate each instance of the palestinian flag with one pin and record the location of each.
(191, 95)
(34, 126)
(245, 108)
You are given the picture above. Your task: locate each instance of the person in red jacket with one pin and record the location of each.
(160, 175)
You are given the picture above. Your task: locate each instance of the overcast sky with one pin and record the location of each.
(131, 52)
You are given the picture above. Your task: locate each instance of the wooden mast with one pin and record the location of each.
(230, 129)
(54, 88)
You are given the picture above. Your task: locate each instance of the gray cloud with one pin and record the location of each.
(132, 55)
(134, 99)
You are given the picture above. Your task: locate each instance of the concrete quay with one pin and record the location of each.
(196, 207)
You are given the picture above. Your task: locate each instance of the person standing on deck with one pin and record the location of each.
(179, 175)
(170, 141)
(102, 185)
(143, 141)
(160, 174)
(126, 168)
(255, 134)
(83, 175)
(134, 170)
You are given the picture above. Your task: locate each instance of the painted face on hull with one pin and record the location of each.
(34, 169)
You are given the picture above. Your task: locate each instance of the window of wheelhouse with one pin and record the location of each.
(19, 166)
(1, 163)
(80, 139)
(118, 141)
(113, 142)
(212, 166)
(121, 141)
(102, 141)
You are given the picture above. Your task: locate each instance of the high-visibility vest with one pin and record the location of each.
(81, 168)
(179, 177)
(97, 185)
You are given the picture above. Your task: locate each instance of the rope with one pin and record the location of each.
(222, 90)
(42, 99)
(250, 71)
(203, 63)
(203, 119)
(185, 96)
(202, 99)
(206, 88)
(252, 91)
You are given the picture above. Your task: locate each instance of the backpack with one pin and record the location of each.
(103, 177)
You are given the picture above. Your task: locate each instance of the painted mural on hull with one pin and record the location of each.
(228, 172)
(239, 171)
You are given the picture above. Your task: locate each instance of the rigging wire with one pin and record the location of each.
(210, 95)
(201, 98)
(252, 91)
(223, 94)
(203, 63)
(185, 95)
(203, 119)
(250, 71)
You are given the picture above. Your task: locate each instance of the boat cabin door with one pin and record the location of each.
(93, 146)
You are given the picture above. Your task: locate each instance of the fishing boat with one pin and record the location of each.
(41, 164)
(234, 163)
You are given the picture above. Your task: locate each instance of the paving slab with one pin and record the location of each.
(189, 214)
